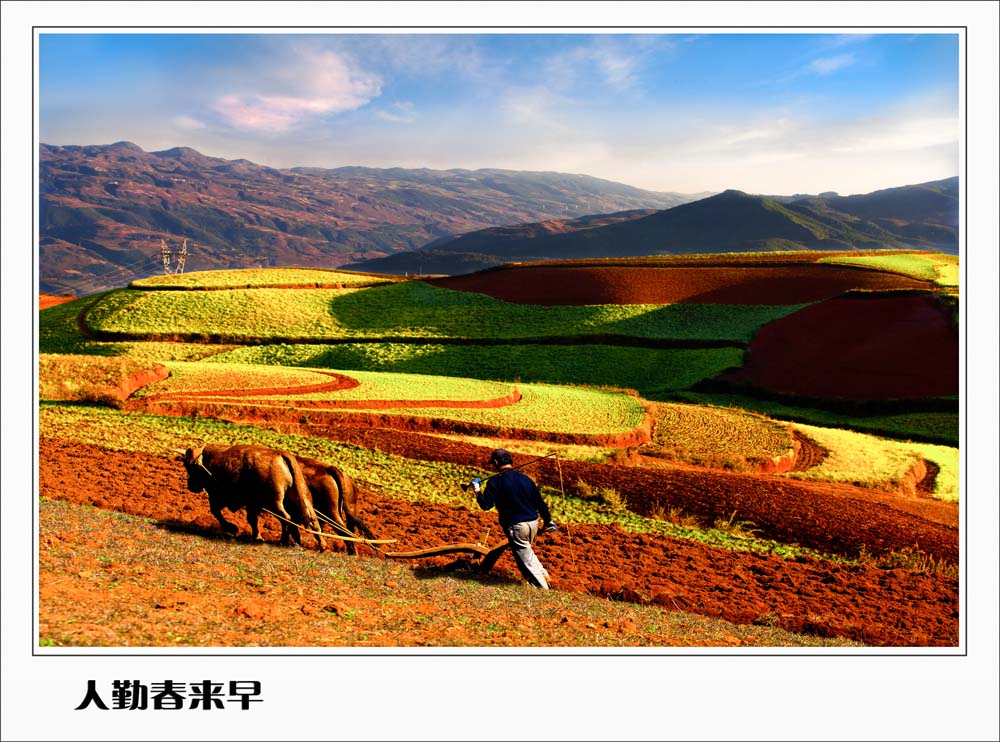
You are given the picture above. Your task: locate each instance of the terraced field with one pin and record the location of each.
(724, 512)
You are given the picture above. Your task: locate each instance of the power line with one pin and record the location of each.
(119, 272)
(112, 278)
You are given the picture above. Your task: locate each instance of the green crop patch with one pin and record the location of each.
(248, 314)
(549, 409)
(262, 277)
(542, 408)
(418, 310)
(652, 372)
(877, 463)
(205, 378)
(932, 427)
(940, 268)
(721, 437)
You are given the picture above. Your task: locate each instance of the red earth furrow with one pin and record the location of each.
(808, 452)
(831, 518)
(339, 383)
(805, 595)
(332, 404)
(759, 285)
(858, 347)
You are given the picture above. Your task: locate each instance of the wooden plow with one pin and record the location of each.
(487, 555)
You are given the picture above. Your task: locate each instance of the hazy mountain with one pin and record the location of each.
(105, 209)
(923, 216)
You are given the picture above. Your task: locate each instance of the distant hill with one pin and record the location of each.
(470, 252)
(921, 216)
(104, 210)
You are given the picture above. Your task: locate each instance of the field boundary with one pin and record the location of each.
(318, 422)
(244, 287)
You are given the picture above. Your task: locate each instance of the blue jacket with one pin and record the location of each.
(516, 498)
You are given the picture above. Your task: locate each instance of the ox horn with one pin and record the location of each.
(201, 464)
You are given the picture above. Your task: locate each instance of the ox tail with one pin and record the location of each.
(304, 498)
(349, 503)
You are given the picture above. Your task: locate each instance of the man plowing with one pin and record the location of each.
(519, 505)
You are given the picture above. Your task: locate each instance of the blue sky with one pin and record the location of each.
(764, 113)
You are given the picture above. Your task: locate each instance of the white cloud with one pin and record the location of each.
(403, 112)
(608, 61)
(900, 135)
(829, 65)
(188, 123)
(319, 83)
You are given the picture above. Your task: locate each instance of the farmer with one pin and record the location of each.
(518, 504)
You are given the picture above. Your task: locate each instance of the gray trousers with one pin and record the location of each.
(521, 536)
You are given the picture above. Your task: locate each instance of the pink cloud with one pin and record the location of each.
(320, 84)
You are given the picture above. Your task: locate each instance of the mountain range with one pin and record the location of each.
(923, 216)
(105, 212)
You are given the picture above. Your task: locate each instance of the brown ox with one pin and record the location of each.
(335, 497)
(255, 478)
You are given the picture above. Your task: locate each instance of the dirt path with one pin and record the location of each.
(876, 606)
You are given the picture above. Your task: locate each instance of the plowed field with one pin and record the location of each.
(764, 285)
(859, 347)
(888, 607)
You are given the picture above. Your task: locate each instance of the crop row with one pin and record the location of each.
(260, 277)
(857, 458)
(418, 311)
(399, 477)
(936, 427)
(570, 414)
(200, 377)
(652, 372)
(937, 267)
(717, 436)
(696, 434)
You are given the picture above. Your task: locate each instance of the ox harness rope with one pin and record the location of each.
(352, 537)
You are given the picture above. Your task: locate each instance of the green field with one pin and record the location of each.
(720, 437)
(652, 372)
(542, 408)
(418, 311)
(453, 345)
(931, 427)
(878, 463)
(260, 277)
(937, 267)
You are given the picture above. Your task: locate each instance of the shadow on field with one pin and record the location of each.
(461, 569)
(214, 534)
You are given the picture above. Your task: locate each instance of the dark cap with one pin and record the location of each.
(501, 457)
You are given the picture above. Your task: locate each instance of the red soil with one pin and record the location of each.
(339, 383)
(150, 404)
(858, 347)
(876, 606)
(50, 300)
(761, 285)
